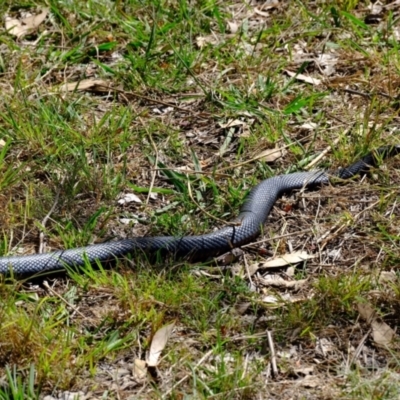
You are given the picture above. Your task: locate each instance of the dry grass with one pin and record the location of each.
(105, 99)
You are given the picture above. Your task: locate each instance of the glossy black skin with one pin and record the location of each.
(244, 228)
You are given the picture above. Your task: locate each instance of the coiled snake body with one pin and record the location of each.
(246, 227)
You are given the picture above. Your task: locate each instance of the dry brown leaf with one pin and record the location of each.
(271, 299)
(310, 126)
(271, 155)
(233, 27)
(304, 78)
(290, 271)
(242, 307)
(129, 198)
(98, 85)
(139, 370)
(21, 27)
(287, 259)
(382, 333)
(158, 344)
(366, 312)
(252, 269)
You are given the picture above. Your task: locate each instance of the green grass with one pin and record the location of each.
(179, 73)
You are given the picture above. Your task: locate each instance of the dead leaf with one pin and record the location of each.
(158, 344)
(310, 126)
(139, 370)
(366, 312)
(271, 299)
(271, 155)
(382, 333)
(287, 259)
(252, 269)
(233, 27)
(21, 27)
(290, 271)
(242, 307)
(129, 198)
(304, 78)
(96, 85)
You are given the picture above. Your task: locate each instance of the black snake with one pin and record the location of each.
(244, 228)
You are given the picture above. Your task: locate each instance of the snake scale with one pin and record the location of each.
(244, 228)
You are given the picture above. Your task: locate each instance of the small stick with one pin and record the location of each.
(273, 355)
(358, 351)
(154, 172)
(321, 155)
(246, 264)
(335, 142)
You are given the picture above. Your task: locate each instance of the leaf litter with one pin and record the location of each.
(158, 343)
(21, 27)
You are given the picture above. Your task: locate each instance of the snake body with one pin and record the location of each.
(244, 229)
